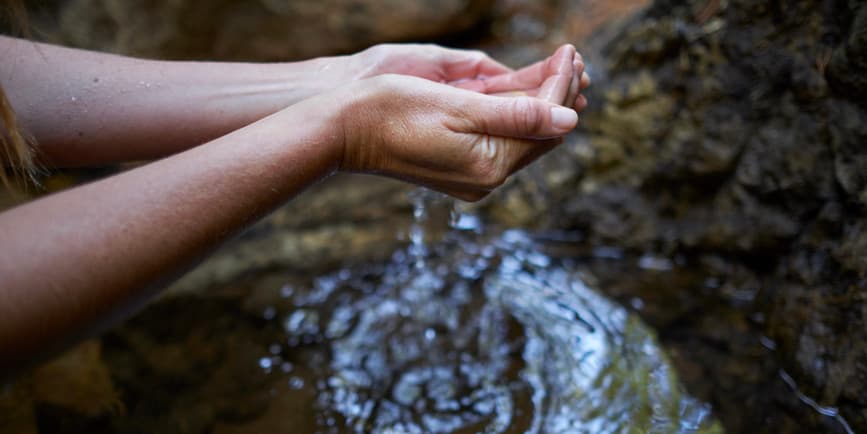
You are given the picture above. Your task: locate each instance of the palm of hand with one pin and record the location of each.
(474, 70)
(431, 62)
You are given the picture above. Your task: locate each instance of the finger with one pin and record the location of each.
(585, 81)
(556, 86)
(578, 69)
(526, 78)
(530, 77)
(473, 85)
(585, 78)
(531, 92)
(524, 117)
(574, 84)
(580, 103)
(470, 64)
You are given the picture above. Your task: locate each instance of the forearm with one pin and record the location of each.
(87, 108)
(75, 261)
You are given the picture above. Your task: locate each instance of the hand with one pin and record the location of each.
(428, 61)
(456, 141)
(474, 70)
(543, 79)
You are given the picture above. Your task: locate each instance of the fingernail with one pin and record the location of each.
(564, 119)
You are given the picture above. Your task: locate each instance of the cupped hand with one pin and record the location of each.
(453, 140)
(559, 79)
(475, 70)
(428, 61)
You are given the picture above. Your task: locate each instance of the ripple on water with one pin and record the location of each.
(505, 342)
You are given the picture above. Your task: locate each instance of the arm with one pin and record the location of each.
(78, 261)
(87, 108)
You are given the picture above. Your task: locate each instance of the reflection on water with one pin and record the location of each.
(490, 335)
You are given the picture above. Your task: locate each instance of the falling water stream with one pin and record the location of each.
(479, 332)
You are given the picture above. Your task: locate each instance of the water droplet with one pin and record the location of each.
(430, 334)
(269, 313)
(296, 383)
(607, 252)
(768, 343)
(655, 263)
(465, 222)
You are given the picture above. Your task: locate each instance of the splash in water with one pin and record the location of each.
(480, 334)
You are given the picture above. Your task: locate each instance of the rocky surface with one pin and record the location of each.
(731, 134)
(252, 29)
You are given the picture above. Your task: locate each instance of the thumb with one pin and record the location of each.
(523, 116)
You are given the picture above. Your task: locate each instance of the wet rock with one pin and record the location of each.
(729, 129)
(737, 130)
(848, 63)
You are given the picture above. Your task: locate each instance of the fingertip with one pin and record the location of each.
(580, 103)
(563, 119)
(566, 50)
(573, 54)
(585, 81)
(578, 66)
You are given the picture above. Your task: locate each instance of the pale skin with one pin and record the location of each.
(236, 141)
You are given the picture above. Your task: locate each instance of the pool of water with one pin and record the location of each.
(473, 332)
(487, 334)
(462, 330)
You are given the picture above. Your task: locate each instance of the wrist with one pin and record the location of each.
(317, 124)
(361, 120)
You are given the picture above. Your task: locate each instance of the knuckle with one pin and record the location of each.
(526, 116)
